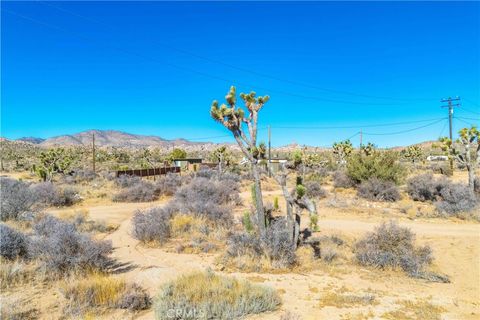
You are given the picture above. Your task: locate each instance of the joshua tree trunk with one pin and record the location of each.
(258, 198)
(471, 177)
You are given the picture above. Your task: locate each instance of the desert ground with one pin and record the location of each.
(339, 290)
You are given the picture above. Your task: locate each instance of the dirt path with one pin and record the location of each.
(456, 248)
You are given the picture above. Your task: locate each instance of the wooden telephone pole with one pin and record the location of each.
(450, 107)
(93, 152)
(269, 151)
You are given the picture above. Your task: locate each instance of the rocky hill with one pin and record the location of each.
(112, 138)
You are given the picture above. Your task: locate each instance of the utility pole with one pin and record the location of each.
(450, 107)
(269, 150)
(93, 151)
(361, 138)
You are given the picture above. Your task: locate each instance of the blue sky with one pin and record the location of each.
(155, 67)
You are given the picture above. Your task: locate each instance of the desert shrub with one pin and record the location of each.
(378, 190)
(141, 191)
(83, 175)
(381, 165)
(16, 198)
(328, 254)
(315, 190)
(202, 189)
(67, 197)
(425, 187)
(134, 298)
(47, 194)
(229, 176)
(476, 185)
(62, 249)
(393, 246)
(342, 180)
(125, 181)
(206, 295)
(278, 246)
(152, 225)
(456, 198)
(168, 184)
(207, 198)
(206, 173)
(243, 244)
(275, 245)
(13, 243)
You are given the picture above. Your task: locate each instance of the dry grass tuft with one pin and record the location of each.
(16, 273)
(211, 296)
(99, 292)
(17, 310)
(415, 310)
(346, 300)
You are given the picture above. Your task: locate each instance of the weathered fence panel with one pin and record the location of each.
(147, 172)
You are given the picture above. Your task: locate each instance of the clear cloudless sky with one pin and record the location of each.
(155, 67)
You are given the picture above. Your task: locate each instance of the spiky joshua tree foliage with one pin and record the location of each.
(243, 126)
(466, 151)
(342, 150)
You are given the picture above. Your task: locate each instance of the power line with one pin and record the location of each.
(356, 126)
(204, 74)
(241, 68)
(443, 128)
(466, 118)
(460, 119)
(403, 131)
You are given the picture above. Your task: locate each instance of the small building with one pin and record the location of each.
(437, 158)
(188, 164)
(276, 163)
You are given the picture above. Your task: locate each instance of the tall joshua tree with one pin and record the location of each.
(244, 129)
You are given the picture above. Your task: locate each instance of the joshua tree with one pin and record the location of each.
(413, 153)
(244, 130)
(296, 199)
(56, 160)
(222, 156)
(342, 150)
(466, 142)
(368, 149)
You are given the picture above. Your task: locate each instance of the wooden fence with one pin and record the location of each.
(147, 172)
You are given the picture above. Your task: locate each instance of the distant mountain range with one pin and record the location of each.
(120, 139)
(112, 138)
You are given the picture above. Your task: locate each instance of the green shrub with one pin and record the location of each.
(206, 295)
(247, 222)
(381, 165)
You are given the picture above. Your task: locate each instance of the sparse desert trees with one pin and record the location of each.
(244, 130)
